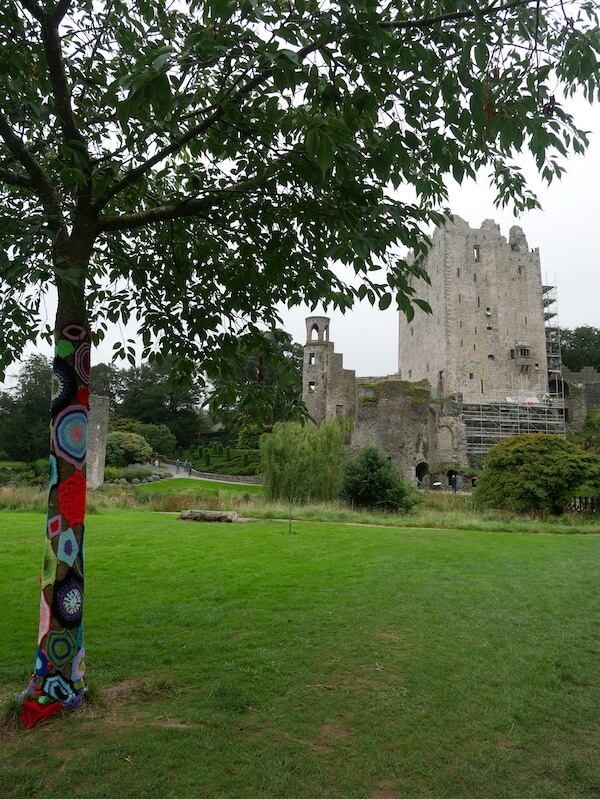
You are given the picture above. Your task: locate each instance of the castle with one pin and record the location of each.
(483, 366)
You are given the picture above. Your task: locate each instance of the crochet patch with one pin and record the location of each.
(67, 601)
(49, 567)
(45, 618)
(54, 526)
(64, 385)
(60, 648)
(82, 361)
(67, 547)
(71, 498)
(74, 333)
(70, 434)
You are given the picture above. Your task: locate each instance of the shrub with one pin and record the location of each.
(125, 448)
(535, 473)
(371, 481)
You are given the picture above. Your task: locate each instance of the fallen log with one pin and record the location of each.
(208, 516)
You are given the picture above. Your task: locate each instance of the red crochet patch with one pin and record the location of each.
(83, 395)
(32, 712)
(71, 497)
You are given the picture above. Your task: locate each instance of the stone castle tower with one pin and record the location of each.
(486, 337)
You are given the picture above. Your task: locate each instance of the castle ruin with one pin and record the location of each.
(483, 366)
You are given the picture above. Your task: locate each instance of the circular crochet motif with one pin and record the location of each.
(71, 498)
(64, 348)
(67, 602)
(70, 434)
(82, 361)
(74, 333)
(60, 648)
(64, 385)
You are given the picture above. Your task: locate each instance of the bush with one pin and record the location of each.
(371, 481)
(125, 448)
(535, 473)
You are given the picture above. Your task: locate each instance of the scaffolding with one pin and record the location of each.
(514, 412)
(488, 423)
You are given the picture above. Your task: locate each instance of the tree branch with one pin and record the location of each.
(427, 22)
(41, 183)
(14, 179)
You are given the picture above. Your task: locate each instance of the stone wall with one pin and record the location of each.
(582, 392)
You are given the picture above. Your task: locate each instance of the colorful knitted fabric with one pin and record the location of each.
(58, 682)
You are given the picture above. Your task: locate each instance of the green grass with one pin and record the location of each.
(186, 485)
(341, 661)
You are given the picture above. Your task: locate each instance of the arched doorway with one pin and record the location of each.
(421, 471)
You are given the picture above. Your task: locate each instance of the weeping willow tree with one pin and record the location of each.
(205, 162)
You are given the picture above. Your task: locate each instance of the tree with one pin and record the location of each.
(581, 347)
(107, 380)
(190, 168)
(24, 412)
(534, 473)
(274, 367)
(302, 462)
(372, 481)
(150, 397)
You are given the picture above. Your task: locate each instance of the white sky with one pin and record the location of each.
(566, 231)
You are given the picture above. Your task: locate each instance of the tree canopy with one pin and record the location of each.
(191, 166)
(581, 347)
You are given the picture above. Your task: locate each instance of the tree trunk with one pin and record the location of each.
(58, 682)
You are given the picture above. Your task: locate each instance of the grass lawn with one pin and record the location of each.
(231, 661)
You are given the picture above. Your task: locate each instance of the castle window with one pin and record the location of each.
(409, 374)
(474, 347)
(461, 342)
(311, 359)
(479, 302)
(474, 277)
(476, 253)
(458, 272)
(519, 271)
(339, 410)
(475, 330)
(427, 368)
(311, 387)
(459, 297)
(489, 327)
(412, 331)
(512, 354)
(482, 386)
(525, 320)
(491, 358)
(314, 333)
(470, 375)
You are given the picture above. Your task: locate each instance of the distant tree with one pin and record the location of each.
(151, 397)
(123, 449)
(24, 425)
(261, 385)
(372, 481)
(581, 347)
(303, 462)
(535, 473)
(107, 380)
